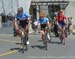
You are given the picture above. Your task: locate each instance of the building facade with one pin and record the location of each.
(51, 6)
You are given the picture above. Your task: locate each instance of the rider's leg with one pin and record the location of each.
(48, 34)
(42, 34)
(60, 28)
(63, 29)
(27, 33)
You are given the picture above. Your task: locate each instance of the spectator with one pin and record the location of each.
(35, 26)
(70, 26)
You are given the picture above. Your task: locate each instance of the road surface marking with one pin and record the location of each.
(8, 53)
(8, 41)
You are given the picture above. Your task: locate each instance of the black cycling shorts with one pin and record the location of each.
(23, 23)
(43, 26)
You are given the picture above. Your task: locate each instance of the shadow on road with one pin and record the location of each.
(18, 49)
(40, 40)
(51, 42)
(38, 46)
(54, 42)
(19, 43)
(15, 49)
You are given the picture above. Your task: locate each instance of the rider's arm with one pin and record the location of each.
(28, 18)
(28, 23)
(56, 20)
(38, 27)
(48, 24)
(66, 21)
(16, 24)
(57, 23)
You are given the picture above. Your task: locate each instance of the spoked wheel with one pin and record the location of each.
(24, 44)
(62, 39)
(45, 41)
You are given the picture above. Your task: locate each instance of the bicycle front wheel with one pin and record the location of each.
(45, 41)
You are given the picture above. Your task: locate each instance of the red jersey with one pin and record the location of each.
(60, 19)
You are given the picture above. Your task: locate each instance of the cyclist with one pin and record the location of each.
(61, 21)
(43, 21)
(22, 21)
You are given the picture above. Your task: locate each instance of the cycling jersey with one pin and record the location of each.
(23, 19)
(60, 19)
(43, 22)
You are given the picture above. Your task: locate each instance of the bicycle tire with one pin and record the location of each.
(24, 43)
(62, 39)
(26, 46)
(45, 41)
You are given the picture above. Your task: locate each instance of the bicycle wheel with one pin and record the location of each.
(26, 46)
(45, 41)
(23, 46)
(24, 43)
(62, 38)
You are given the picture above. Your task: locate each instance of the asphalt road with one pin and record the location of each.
(10, 50)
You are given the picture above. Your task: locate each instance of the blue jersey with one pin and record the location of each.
(44, 20)
(24, 16)
(23, 19)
